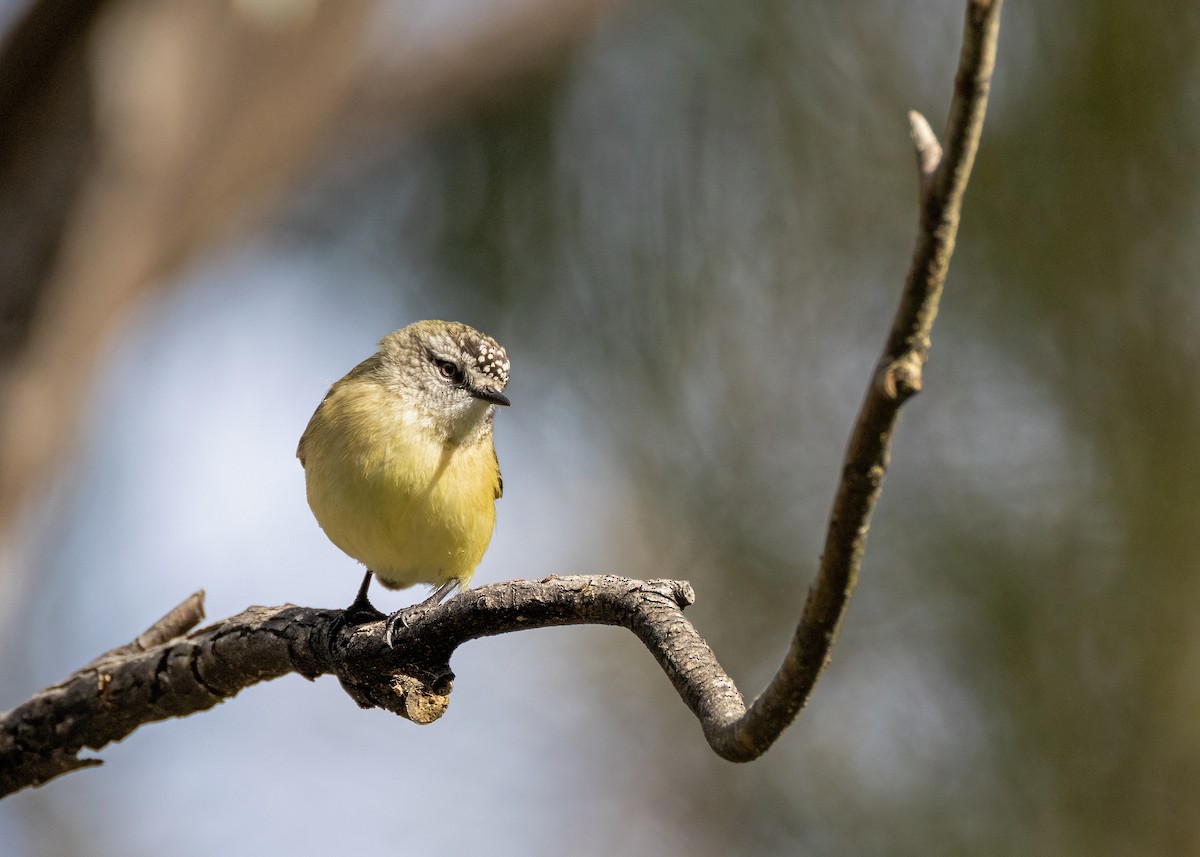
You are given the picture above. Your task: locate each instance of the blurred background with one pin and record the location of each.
(688, 222)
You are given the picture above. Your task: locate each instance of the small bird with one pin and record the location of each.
(399, 465)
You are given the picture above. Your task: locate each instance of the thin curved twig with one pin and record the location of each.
(896, 379)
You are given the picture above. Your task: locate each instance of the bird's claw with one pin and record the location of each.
(403, 619)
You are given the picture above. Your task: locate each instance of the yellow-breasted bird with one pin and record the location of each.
(399, 465)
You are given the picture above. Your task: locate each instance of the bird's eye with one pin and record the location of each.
(448, 370)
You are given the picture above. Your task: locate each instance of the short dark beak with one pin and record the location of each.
(493, 396)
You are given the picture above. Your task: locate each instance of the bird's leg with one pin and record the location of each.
(411, 615)
(361, 610)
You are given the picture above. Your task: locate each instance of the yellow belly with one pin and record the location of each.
(411, 509)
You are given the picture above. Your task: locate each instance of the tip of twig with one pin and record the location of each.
(929, 151)
(683, 593)
(178, 621)
(980, 8)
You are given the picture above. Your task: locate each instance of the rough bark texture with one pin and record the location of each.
(167, 672)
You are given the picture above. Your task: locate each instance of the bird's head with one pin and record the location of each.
(448, 372)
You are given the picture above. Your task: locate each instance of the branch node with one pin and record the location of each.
(682, 593)
(900, 379)
(929, 151)
(176, 622)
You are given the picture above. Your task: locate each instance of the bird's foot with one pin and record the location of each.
(360, 612)
(352, 617)
(405, 618)
(410, 616)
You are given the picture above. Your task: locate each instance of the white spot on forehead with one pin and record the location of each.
(490, 357)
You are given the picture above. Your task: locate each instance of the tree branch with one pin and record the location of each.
(163, 674)
(896, 379)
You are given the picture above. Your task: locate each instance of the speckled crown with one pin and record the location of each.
(488, 356)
